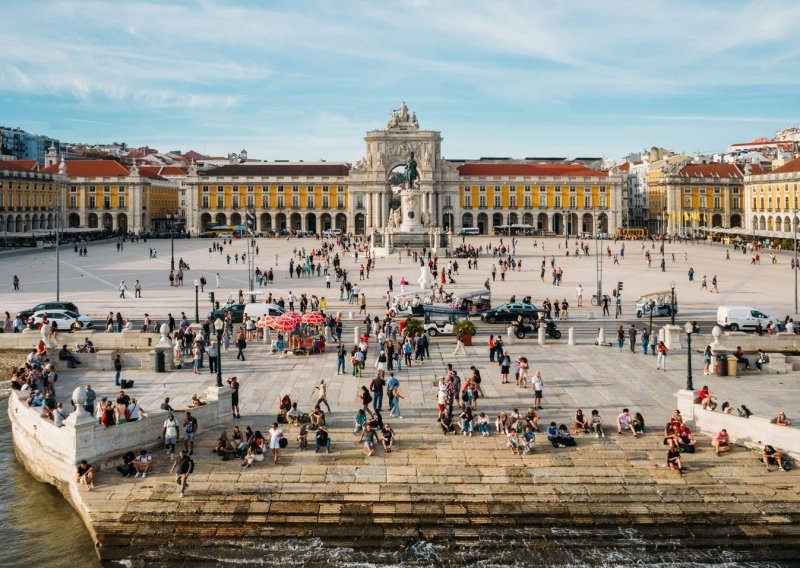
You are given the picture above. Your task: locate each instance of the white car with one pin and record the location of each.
(64, 318)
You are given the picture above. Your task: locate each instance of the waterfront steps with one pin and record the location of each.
(435, 487)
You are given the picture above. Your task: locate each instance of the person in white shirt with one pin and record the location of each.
(135, 411)
(59, 415)
(579, 294)
(143, 463)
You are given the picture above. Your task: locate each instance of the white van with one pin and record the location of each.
(256, 311)
(328, 233)
(469, 231)
(737, 318)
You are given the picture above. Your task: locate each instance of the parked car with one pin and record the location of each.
(64, 318)
(439, 320)
(737, 318)
(25, 314)
(256, 311)
(510, 311)
(236, 310)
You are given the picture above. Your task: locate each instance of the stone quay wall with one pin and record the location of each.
(129, 340)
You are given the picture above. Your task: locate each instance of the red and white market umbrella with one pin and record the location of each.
(313, 318)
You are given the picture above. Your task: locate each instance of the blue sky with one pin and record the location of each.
(305, 80)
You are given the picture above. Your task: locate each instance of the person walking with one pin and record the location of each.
(122, 289)
(117, 369)
(183, 466)
(274, 437)
(460, 343)
(241, 345)
(190, 428)
(376, 387)
(217, 277)
(137, 290)
(579, 295)
(15, 283)
(605, 306)
(632, 338)
(662, 356)
(341, 354)
(233, 384)
(322, 387)
(213, 353)
(538, 387)
(620, 337)
(714, 287)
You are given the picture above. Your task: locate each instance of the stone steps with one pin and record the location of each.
(446, 489)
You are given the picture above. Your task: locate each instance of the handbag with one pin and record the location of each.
(283, 442)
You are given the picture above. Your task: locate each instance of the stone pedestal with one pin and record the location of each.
(672, 336)
(571, 340)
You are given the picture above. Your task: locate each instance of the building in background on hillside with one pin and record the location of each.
(28, 197)
(16, 144)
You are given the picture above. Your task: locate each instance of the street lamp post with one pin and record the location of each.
(689, 328)
(566, 216)
(171, 219)
(672, 303)
(196, 301)
(218, 325)
(794, 224)
(652, 308)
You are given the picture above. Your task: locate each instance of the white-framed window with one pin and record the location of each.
(205, 188)
(718, 202)
(497, 203)
(557, 203)
(573, 201)
(482, 200)
(310, 201)
(92, 202)
(295, 201)
(281, 203)
(448, 201)
(265, 201)
(121, 201)
(220, 201)
(340, 201)
(468, 200)
(512, 200)
(205, 202)
(251, 201)
(542, 201)
(326, 204)
(587, 201)
(603, 200)
(527, 201)
(235, 204)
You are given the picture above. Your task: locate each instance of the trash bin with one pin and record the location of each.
(733, 366)
(157, 357)
(721, 366)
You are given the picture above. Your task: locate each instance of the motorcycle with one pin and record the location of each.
(550, 329)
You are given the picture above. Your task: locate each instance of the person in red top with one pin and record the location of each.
(708, 401)
(721, 442)
(491, 348)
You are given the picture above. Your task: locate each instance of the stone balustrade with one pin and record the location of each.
(754, 432)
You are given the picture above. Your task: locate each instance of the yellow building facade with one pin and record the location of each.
(28, 197)
(772, 200)
(688, 199)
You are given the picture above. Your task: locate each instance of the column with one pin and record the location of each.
(381, 208)
(368, 212)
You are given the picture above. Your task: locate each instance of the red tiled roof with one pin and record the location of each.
(788, 167)
(290, 169)
(91, 168)
(192, 155)
(164, 170)
(516, 169)
(710, 170)
(625, 167)
(21, 165)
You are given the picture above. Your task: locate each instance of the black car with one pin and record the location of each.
(510, 312)
(44, 306)
(236, 310)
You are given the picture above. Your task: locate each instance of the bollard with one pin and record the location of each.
(355, 335)
(349, 315)
(510, 335)
(572, 336)
(541, 335)
(601, 336)
(590, 315)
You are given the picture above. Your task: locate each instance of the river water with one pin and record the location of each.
(39, 528)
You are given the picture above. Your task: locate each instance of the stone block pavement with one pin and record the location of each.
(436, 485)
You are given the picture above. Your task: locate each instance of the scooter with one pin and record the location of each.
(550, 329)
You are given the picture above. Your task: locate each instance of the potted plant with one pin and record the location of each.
(415, 326)
(468, 328)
